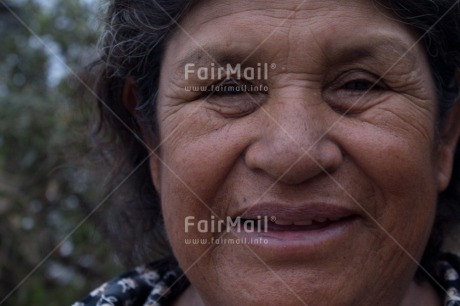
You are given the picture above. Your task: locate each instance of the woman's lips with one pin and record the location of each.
(285, 215)
(308, 227)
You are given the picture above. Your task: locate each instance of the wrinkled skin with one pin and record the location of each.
(296, 144)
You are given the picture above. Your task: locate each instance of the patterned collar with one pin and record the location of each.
(448, 269)
(155, 284)
(160, 283)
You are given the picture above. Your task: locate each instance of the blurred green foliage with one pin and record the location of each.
(46, 189)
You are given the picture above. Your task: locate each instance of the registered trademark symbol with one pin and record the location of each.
(273, 218)
(273, 66)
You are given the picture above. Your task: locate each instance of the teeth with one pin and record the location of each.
(283, 222)
(306, 222)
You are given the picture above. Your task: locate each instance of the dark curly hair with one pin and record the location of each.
(132, 46)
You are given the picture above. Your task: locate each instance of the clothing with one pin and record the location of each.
(155, 284)
(448, 270)
(160, 283)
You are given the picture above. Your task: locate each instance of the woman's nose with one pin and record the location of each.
(295, 145)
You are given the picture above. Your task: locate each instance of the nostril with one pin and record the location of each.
(290, 163)
(329, 155)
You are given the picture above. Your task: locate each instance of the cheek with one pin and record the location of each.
(196, 167)
(400, 168)
(196, 161)
(199, 149)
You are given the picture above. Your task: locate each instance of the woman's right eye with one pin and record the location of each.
(231, 87)
(235, 98)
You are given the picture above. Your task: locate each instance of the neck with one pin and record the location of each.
(422, 294)
(189, 297)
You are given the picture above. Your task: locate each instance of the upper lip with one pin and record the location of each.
(296, 213)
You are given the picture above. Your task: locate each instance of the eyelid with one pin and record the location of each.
(359, 75)
(235, 103)
(233, 81)
(250, 87)
(353, 101)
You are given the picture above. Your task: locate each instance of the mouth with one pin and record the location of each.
(305, 228)
(279, 225)
(274, 224)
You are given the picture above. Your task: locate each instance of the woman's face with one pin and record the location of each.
(349, 171)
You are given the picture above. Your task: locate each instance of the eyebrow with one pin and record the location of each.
(204, 55)
(390, 47)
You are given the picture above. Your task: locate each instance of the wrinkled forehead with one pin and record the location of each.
(309, 32)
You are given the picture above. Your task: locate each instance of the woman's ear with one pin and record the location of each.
(130, 91)
(130, 102)
(448, 140)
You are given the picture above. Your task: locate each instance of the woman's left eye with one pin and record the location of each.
(362, 85)
(354, 92)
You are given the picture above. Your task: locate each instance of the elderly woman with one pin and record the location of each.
(290, 152)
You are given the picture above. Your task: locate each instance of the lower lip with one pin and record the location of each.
(291, 241)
